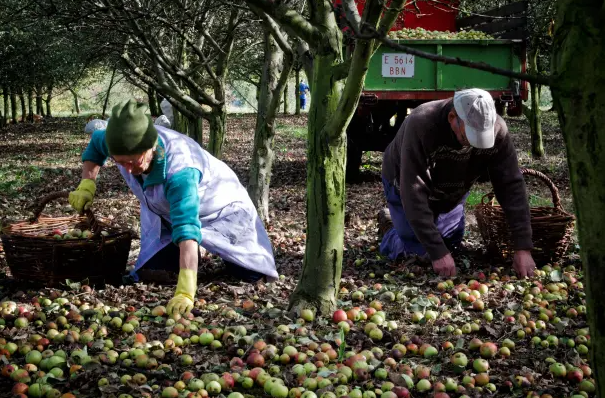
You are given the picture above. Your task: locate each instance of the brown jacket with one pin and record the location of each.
(433, 172)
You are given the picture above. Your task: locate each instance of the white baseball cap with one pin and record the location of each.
(477, 110)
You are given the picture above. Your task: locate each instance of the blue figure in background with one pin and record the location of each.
(303, 88)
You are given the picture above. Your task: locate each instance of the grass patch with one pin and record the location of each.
(475, 196)
(299, 132)
(13, 179)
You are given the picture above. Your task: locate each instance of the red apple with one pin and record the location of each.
(339, 316)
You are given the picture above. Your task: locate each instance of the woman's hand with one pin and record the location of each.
(186, 287)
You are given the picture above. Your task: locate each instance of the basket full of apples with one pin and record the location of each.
(49, 250)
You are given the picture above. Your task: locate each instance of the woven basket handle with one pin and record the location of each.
(556, 198)
(54, 196)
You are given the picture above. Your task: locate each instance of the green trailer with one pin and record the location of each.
(399, 76)
(397, 82)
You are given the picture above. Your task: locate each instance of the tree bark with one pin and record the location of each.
(49, 97)
(153, 105)
(322, 265)
(13, 96)
(3, 114)
(286, 100)
(277, 66)
(76, 101)
(297, 91)
(195, 130)
(216, 120)
(534, 114)
(106, 102)
(30, 104)
(579, 96)
(23, 107)
(217, 117)
(39, 107)
(6, 95)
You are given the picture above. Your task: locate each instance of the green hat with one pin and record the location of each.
(129, 131)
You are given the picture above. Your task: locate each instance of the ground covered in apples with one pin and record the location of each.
(401, 329)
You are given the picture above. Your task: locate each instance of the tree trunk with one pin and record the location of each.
(153, 105)
(180, 123)
(6, 97)
(13, 96)
(23, 107)
(106, 102)
(329, 115)
(537, 147)
(217, 131)
(2, 114)
(579, 96)
(39, 107)
(297, 91)
(322, 266)
(47, 100)
(286, 100)
(276, 69)
(30, 103)
(76, 101)
(195, 130)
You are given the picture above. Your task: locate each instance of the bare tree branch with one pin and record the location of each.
(351, 13)
(274, 30)
(293, 22)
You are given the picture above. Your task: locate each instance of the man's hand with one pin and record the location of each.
(524, 263)
(445, 266)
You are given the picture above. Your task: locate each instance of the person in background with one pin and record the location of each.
(439, 152)
(188, 199)
(303, 89)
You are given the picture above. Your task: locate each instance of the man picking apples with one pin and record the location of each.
(188, 199)
(440, 151)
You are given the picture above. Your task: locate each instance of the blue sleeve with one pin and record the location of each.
(181, 192)
(96, 151)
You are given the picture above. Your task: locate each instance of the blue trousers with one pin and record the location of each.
(303, 102)
(401, 239)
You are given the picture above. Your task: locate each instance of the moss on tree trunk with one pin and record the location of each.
(579, 96)
(326, 160)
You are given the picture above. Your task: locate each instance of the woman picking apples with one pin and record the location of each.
(188, 199)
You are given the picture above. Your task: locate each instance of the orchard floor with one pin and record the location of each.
(44, 158)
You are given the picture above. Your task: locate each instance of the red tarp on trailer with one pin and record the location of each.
(427, 14)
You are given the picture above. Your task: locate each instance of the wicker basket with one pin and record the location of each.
(34, 255)
(551, 226)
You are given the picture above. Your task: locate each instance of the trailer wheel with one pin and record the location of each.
(500, 107)
(515, 109)
(353, 161)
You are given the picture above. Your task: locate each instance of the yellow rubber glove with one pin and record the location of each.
(81, 198)
(182, 302)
